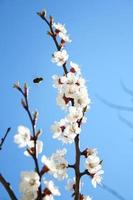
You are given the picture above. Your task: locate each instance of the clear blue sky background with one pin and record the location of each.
(102, 35)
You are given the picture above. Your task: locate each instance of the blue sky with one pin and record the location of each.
(102, 44)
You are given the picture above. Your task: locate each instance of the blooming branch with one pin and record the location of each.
(72, 96)
(7, 188)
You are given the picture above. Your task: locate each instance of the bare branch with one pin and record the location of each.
(112, 191)
(125, 121)
(127, 90)
(4, 138)
(113, 105)
(7, 187)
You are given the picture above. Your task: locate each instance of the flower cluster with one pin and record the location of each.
(61, 31)
(94, 166)
(73, 96)
(56, 164)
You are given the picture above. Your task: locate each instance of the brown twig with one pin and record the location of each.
(7, 187)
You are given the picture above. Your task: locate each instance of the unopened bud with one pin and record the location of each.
(42, 14)
(44, 170)
(51, 20)
(38, 133)
(17, 85)
(35, 117)
(26, 89)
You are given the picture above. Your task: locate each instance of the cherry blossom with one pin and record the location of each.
(23, 136)
(97, 178)
(60, 28)
(29, 183)
(60, 57)
(57, 164)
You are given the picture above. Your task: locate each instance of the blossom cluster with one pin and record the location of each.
(73, 96)
(94, 166)
(56, 164)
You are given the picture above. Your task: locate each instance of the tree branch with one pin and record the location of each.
(4, 138)
(112, 191)
(33, 124)
(113, 105)
(7, 187)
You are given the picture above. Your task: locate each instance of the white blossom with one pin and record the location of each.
(74, 67)
(65, 130)
(57, 164)
(29, 195)
(60, 57)
(60, 27)
(75, 114)
(71, 78)
(97, 178)
(81, 100)
(71, 184)
(48, 197)
(64, 37)
(22, 137)
(58, 127)
(59, 81)
(52, 188)
(70, 90)
(62, 101)
(93, 164)
(29, 183)
(87, 198)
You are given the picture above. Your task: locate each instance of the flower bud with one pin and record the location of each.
(42, 14)
(26, 89)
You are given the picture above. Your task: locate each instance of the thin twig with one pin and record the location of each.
(126, 121)
(112, 191)
(127, 90)
(7, 187)
(34, 156)
(113, 105)
(4, 138)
